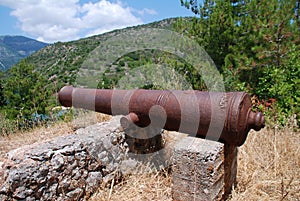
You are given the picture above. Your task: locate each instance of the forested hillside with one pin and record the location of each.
(254, 44)
(28, 90)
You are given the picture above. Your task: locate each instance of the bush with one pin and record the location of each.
(6, 126)
(283, 84)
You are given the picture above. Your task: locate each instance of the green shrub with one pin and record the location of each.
(7, 126)
(283, 84)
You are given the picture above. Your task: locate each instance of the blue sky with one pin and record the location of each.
(65, 20)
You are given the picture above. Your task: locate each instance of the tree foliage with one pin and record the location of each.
(254, 44)
(25, 93)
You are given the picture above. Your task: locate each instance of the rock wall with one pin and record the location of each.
(67, 168)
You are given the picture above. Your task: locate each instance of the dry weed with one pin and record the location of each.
(41, 134)
(269, 166)
(46, 133)
(145, 184)
(83, 118)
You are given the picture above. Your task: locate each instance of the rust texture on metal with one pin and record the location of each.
(226, 117)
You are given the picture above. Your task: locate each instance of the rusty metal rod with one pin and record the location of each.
(225, 117)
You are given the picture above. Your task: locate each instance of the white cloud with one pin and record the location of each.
(51, 20)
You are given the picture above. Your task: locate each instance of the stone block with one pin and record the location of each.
(203, 170)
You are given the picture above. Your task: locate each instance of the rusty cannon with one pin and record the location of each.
(224, 117)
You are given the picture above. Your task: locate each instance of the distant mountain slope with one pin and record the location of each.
(15, 48)
(60, 61)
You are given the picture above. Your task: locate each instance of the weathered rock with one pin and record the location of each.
(203, 170)
(67, 168)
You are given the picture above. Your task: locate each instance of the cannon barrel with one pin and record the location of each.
(225, 117)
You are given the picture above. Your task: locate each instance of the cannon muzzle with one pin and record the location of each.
(224, 117)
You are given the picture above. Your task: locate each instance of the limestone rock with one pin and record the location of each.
(67, 168)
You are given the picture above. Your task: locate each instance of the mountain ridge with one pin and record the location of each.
(60, 61)
(15, 48)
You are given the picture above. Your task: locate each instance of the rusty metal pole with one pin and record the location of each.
(138, 106)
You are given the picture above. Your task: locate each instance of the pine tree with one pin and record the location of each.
(25, 92)
(244, 37)
(255, 42)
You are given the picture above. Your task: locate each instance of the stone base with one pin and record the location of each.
(70, 167)
(203, 170)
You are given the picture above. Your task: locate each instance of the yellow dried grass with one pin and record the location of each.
(269, 166)
(145, 184)
(46, 133)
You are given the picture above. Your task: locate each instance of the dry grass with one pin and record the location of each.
(46, 133)
(268, 167)
(145, 184)
(41, 134)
